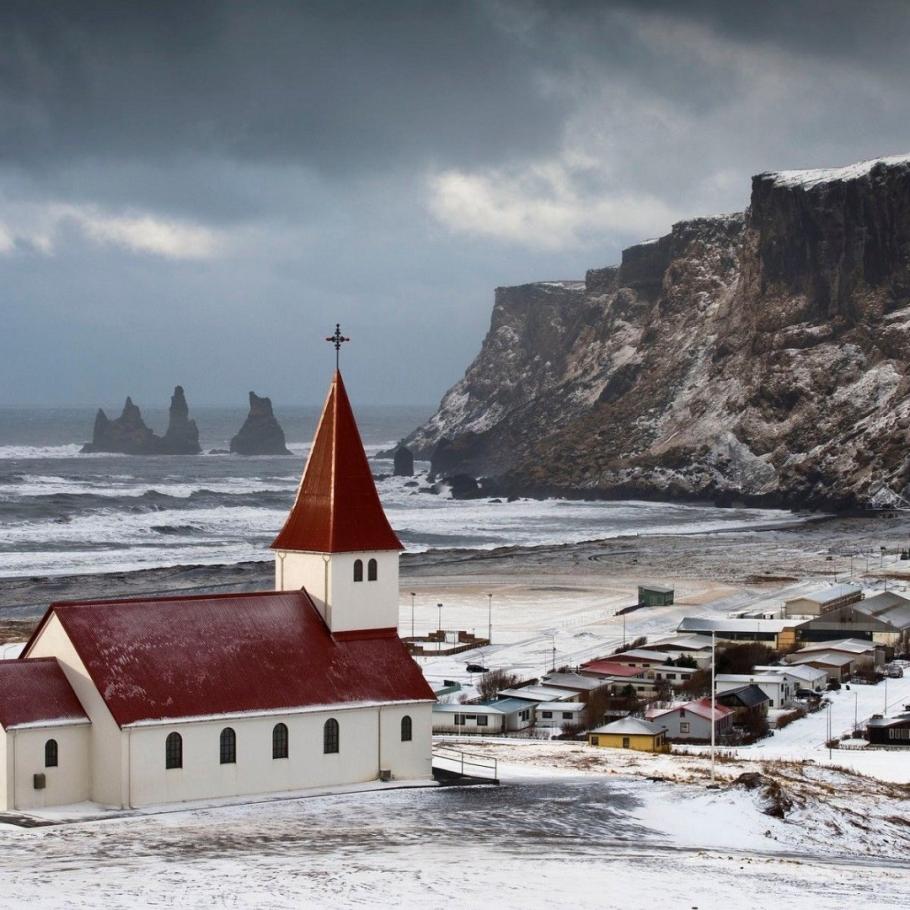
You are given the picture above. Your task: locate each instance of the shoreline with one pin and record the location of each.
(706, 553)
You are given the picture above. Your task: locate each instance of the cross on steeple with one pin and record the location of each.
(338, 340)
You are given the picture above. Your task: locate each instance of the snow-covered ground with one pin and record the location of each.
(547, 837)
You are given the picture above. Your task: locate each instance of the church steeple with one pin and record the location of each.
(337, 542)
(337, 509)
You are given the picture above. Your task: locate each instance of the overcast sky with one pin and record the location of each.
(196, 192)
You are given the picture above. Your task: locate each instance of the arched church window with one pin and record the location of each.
(407, 729)
(330, 736)
(280, 741)
(173, 751)
(50, 753)
(372, 570)
(228, 747)
(358, 570)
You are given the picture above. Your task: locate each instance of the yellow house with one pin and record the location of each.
(630, 733)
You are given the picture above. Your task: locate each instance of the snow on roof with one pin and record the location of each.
(510, 705)
(709, 624)
(538, 693)
(631, 726)
(176, 657)
(897, 720)
(337, 508)
(827, 595)
(701, 708)
(640, 654)
(610, 668)
(692, 642)
(851, 645)
(573, 681)
(817, 176)
(36, 690)
(884, 600)
(757, 678)
(467, 709)
(797, 671)
(748, 695)
(828, 658)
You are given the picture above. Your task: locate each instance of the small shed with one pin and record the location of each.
(652, 595)
(630, 733)
(889, 731)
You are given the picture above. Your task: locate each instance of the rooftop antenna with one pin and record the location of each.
(338, 340)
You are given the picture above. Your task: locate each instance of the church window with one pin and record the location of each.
(50, 753)
(228, 747)
(330, 736)
(372, 570)
(407, 729)
(280, 741)
(173, 751)
(358, 570)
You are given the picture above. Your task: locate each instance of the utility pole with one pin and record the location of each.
(829, 730)
(489, 619)
(855, 711)
(439, 628)
(713, 700)
(623, 629)
(412, 613)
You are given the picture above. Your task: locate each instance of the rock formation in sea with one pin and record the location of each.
(762, 356)
(182, 435)
(261, 434)
(129, 435)
(404, 462)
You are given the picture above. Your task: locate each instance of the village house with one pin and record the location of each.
(889, 731)
(818, 602)
(865, 654)
(838, 667)
(749, 704)
(560, 714)
(630, 733)
(779, 689)
(158, 700)
(803, 677)
(691, 721)
(477, 718)
(883, 619)
(777, 633)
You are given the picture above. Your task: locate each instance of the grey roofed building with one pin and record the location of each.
(749, 696)
(539, 693)
(574, 681)
(630, 726)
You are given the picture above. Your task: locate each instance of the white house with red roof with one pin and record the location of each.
(147, 701)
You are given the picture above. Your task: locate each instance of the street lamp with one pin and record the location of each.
(439, 628)
(489, 619)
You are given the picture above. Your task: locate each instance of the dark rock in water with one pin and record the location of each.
(404, 462)
(128, 434)
(182, 436)
(219, 451)
(261, 434)
(412, 483)
(463, 486)
(432, 489)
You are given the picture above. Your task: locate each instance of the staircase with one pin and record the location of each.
(451, 766)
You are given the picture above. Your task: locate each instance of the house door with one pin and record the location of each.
(625, 742)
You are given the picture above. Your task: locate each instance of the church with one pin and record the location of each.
(131, 703)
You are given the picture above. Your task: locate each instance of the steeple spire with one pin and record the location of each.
(337, 509)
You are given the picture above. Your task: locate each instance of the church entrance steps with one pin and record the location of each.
(452, 766)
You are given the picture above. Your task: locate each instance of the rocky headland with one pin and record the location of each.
(760, 356)
(129, 435)
(261, 434)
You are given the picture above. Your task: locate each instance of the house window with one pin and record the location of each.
(595, 741)
(372, 570)
(173, 751)
(482, 720)
(50, 753)
(566, 715)
(459, 720)
(228, 747)
(280, 741)
(525, 715)
(684, 726)
(546, 714)
(358, 570)
(407, 729)
(330, 736)
(625, 742)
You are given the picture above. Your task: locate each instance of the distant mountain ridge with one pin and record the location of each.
(760, 356)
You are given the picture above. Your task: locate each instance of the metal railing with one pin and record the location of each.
(467, 764)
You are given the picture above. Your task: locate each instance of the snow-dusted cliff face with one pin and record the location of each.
(761, 356)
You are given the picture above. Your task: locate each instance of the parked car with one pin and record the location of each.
(893, 671)
(807, 693)
(476, 668)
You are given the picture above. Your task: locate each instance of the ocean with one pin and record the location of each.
(62, 513)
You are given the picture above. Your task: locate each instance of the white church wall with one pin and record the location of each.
(6, 772)
(351, 604)
(408, 760)
(106, 765)
(255, 771)
(68, 782)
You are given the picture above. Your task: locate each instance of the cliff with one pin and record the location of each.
(129, 435)
(760, 356)
(261, 434)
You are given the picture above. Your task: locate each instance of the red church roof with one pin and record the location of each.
(180, 657)
(34, 691)
(337, 509)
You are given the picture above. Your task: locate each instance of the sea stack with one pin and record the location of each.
(404, 462)
(261, 434)
(129, 435)
(182, 436)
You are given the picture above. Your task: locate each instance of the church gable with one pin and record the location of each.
(187, 657)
